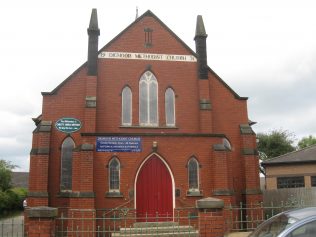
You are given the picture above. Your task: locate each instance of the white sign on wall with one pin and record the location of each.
(148, 56)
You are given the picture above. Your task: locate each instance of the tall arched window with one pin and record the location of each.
(126, 106)
(66, 164)
(148, 100)
(193, 173)
(170, 107)
(114, 175)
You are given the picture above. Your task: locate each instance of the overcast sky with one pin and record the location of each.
(264, 50)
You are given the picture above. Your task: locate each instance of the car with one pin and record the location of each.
(293, 223)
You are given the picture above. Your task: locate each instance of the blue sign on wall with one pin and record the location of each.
(119, 144)
(68, 125)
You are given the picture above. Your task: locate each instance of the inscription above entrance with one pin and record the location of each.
(148, 56)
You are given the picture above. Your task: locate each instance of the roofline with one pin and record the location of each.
(151, 14)
(227, 86)
(292, 152)
(147, 13)
(288, 163)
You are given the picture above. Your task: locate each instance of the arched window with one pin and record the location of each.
(193, 173)
(66, 164)
(126, 106)
(114, 175)
(148, 100)
(170, 107)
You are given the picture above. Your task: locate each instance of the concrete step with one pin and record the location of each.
(177, 234)
(160, 229)
(156, 229)
(154, 224)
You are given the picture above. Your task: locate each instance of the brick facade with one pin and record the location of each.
(207, 112)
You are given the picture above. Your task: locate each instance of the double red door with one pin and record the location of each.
(154, 192)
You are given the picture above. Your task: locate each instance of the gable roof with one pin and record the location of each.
(306, 155)
(151, 14)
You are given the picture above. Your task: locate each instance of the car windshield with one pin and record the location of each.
(274, 226)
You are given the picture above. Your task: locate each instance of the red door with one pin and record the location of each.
(154, 192)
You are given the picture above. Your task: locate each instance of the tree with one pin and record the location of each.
(5, 174)
(306, 141)
(274, 143)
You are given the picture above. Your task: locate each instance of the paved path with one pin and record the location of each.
(12, 227)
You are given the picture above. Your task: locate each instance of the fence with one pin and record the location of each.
(104, 222)
(13, 227)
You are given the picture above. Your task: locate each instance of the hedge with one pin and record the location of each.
(12, 199)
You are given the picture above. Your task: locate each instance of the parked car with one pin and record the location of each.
(294, 223)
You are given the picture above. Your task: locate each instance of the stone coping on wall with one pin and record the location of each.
(41, 212)
(210, 203)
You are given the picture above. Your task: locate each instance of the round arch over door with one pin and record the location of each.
(154, 200)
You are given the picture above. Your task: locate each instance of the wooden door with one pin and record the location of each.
(154, 192)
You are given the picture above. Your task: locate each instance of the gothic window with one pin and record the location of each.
(193, 173)
(148, 100)
(114, 175)
(170, 107)
(66, 164)
(127, 106)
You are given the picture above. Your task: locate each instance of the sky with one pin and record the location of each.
(263, 49)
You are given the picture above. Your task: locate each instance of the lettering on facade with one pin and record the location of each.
(148, 56)
(118, 144)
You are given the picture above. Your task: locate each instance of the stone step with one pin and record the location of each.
(157, 229)
(155, 224)
(171, 234)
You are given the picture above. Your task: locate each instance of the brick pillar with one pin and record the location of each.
(222, 169)
(211, 218)
(252, 192)
(40, 221)
(39, 159)
(252, 195)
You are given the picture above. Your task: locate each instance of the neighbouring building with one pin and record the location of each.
(20, 179)
(292, 170)
(144, 124)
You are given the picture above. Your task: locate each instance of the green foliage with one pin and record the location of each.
(5, 174)
(12, 199)
(306, 142)
(275, 143)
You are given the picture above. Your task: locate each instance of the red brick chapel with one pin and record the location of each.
(145, 124)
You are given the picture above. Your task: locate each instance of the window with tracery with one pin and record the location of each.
(148, 100)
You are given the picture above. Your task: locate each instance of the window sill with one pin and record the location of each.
(194, 193)
(114, 195)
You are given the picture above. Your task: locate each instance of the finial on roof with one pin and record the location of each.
(200, 29)
(93, 26)
(136, 13)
